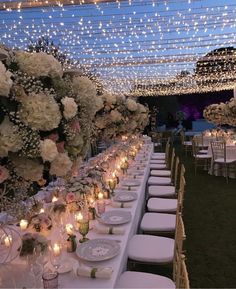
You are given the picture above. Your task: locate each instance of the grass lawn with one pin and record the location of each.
(210, 223)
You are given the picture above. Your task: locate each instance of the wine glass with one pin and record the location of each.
(56, 255)
(35, 264)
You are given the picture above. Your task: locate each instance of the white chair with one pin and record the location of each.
(219, 157)
(163, 223)
(186, 145)
(134, 279)
(162, 205)
(165, 173)
(200, 159)
(158, 223)
(170, 190)
(156, 250)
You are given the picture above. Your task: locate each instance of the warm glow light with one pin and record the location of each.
(100, 196)
(69, 229)
(8, 241)
(54, 199)
(56, 250)
(23, 224)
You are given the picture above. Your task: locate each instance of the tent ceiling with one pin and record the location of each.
(135, 43)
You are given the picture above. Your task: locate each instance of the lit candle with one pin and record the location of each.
(23, 224)
(8, 241)
(54, 199)
(56, 250)
(79, 217)
(41, 211)
(100, 196)
(69, 229)
(100, 204)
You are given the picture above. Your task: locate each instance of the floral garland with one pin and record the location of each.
(222, 113)
(46, 118)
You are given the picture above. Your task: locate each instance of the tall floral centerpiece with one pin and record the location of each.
(45, 119)
(120, 115)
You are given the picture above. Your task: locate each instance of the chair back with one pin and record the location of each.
(196, 145)
(172, 167)
(181, 193)
(181, 273)
(218, 149)
(167, 153)
(176, 172)
(179, 239)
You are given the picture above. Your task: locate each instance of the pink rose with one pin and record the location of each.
(54, 137)
(70, 197)
(75, 126)
(4, 174)
(60, 147)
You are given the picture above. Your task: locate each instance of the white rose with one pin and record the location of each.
(70, 107)
(5, 80)
(39, 64)
(48, 150)
(131, 104)
(61, 165)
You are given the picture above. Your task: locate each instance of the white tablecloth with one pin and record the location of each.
(118, 263)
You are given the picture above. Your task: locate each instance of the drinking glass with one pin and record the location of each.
(50, 280)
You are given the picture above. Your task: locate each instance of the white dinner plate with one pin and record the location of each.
(98, 250)
(115, 217)
(125, 197)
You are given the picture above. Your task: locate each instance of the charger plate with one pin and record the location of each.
(115, 217)
(98, 250)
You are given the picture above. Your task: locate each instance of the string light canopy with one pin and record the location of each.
(133, 47)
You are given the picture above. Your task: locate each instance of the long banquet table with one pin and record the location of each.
(16, 274)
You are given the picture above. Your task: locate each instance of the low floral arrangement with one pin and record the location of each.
(31, 242)
(40, 222)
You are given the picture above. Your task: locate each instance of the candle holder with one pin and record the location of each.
(112, 184)
(71, 243)
(84, 229)
(124, 166)
(92, 213)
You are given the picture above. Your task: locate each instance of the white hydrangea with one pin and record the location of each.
(70, 107)
(39, 64)
(28, 169)
(61, 165)
(10, 140)
(84, 87)
(131, 105)
(115, 116)
(48, 150)
(5, 80)
(40, 112)
(109, 98)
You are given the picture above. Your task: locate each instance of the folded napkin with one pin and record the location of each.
(93, 272)
(109, 230)
(121, 205)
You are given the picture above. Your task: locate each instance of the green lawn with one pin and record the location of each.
(210, 223)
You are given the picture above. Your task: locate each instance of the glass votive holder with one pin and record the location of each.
(101, 207)
(50, 280)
